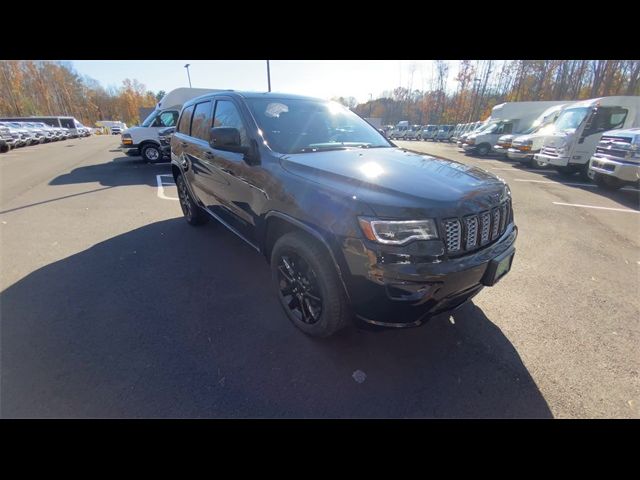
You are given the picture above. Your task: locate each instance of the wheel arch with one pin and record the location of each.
(277, 224)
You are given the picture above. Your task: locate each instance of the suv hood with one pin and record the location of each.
(396, 183)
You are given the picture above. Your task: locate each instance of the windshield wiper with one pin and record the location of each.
(318, 149)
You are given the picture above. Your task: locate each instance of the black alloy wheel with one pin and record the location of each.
(192, 212)
(299, 288)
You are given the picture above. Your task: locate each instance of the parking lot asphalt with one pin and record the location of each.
(112, 306)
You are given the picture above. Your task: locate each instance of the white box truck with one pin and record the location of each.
(506, 118)
(145, 138)
(579, 128)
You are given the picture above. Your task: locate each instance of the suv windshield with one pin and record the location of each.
(571, 118)
(300, 125)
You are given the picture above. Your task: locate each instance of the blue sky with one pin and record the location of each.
(319, 78)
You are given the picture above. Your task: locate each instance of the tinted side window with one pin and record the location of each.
(227, 115)
(185, 121)
(201, 121)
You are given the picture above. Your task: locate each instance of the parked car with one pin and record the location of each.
(616, 161)
(165, 141)
(116, 130)
(414, 133)
(8, 140)
(352, 226)
(444, 134)
(19, 138)
(429, 132)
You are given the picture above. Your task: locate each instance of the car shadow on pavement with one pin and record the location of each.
(121, 171)
(173, 321)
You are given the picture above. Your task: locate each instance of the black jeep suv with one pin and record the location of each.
(351, 225)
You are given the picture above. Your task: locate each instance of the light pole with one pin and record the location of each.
(268, 76)
(187, 67)
(370, 103)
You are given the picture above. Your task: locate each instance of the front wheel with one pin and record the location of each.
(307, 285)
(483, 150)
(151, 153)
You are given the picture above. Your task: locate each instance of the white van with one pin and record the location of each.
(400, 130)
(522, 148)
(506, 118)
(145, 137)
(580, 127)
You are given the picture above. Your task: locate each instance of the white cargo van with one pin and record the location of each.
(523, 147)
(145, 137)
(506, 118)
(400, 130)
(429, 132)
(579, 128)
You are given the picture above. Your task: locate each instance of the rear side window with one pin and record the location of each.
(227, 115)
(201, 122)
(185, 121)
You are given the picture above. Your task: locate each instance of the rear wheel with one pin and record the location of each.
(307, 285)
(193, 214)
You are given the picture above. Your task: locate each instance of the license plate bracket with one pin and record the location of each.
(498, 268)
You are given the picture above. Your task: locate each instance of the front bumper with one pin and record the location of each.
(558, 161)
(500, 150)
(469, 148)
(618, 168)
(515, 154)
(389, 293)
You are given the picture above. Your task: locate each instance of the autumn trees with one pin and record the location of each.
(482, 84)
(53, 88)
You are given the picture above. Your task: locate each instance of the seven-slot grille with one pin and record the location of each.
(475, 231)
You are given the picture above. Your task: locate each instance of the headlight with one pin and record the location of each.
(398, 232)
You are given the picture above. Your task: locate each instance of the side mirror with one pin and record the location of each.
(228, 139)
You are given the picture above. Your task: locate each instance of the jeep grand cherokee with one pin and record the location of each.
(351, 225)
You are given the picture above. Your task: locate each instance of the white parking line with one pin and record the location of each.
(162, 183)
(528, 171)
(588, 185)
(626, 210)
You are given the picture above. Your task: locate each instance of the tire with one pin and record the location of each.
(319, 307)
(607, 182)
(193, 214)
(151, 153)
(566, 171)
(483, 150)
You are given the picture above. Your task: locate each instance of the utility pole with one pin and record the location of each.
(370, 103)
(188, 75)
(268, 75)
